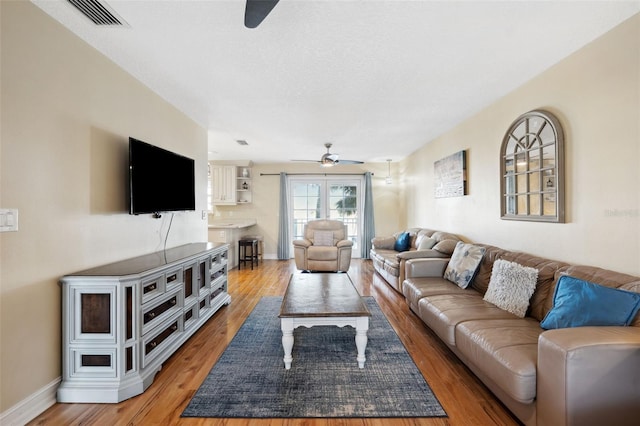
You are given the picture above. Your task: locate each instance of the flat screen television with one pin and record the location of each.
(159, 180)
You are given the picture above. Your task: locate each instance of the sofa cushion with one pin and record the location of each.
(422, 234)
(403, 242)
(441, 236)
(322, 253)
(323, 238)
(442, 313)
(463, 264)
(415, 289)
(388, 257)
(421, 254)
(483, 274)
(426, 243)
(505, 350)
(579, 303)
(446, 246)
(511, 286)
(392, 268)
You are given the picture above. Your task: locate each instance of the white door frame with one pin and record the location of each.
(325, 181)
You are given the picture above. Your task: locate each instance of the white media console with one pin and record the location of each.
(121, 321)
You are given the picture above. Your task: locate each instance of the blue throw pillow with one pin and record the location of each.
(578, 303)
(403, 242)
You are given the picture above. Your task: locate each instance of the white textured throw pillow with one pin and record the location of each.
(323, 238)
(511, 286)
(426, 243)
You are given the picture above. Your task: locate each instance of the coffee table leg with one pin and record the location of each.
(362, 326)
(286, 325)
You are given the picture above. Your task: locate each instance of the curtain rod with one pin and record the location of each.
(313, 174)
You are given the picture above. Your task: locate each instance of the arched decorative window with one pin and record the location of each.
(532, 169)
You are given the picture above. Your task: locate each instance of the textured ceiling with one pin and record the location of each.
(378, 79)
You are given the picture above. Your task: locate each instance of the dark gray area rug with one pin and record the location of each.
(250, 381)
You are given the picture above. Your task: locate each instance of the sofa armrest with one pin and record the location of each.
(344, 243)
(302, 243)
(588, 376)
(419, 254)
(430, 267)
(386, 243)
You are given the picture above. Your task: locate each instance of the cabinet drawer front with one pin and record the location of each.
(93, 362)
(152, 287)
(190, 316)
(218, 276)
(174, 277)
(151, 314)
(157, 341)
(160, 309)
(203, 303)
(215, 293)
(218, 259)
(155, 344)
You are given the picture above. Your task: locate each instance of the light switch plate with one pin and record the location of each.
(8, 220)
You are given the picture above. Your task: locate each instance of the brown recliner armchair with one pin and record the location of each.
(325, 247)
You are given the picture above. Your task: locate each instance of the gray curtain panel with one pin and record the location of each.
(368, 223)
(283, 223)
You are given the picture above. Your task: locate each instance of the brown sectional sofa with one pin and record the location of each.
(391, 263)
(570, 376)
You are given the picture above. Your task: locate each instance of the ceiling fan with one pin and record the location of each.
(256, 10)
(328, 159)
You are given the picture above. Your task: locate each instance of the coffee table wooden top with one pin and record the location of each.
(322, 295)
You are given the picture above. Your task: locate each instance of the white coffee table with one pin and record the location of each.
(323, 299)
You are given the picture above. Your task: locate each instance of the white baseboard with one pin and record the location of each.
(32, 406)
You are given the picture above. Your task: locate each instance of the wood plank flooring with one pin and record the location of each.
(464, 398)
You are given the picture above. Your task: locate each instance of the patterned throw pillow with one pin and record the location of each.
(463, 264)
(323, 238)
(511, 286)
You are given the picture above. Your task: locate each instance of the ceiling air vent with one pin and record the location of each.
(99, 13)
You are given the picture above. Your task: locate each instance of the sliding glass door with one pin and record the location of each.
(328, 197)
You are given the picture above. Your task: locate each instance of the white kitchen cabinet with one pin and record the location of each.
(224, 184)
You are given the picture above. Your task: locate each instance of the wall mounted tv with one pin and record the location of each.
(159, 180)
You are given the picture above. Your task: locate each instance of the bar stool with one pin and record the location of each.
(260, 239)
(243, 254)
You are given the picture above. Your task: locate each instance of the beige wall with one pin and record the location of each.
(596, 95)
(388, 211)
(66, 115)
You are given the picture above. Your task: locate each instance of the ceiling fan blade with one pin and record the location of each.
(349, 162)
(256, 10)
(332, 157)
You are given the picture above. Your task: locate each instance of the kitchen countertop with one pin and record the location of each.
(232, 223)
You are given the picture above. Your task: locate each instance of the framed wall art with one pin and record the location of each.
(450, 175)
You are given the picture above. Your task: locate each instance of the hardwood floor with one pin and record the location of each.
(464, 398)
